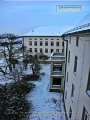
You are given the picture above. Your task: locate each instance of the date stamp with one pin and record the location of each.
(69, 8)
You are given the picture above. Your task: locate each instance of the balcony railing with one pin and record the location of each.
(57, 73)
(57, 56)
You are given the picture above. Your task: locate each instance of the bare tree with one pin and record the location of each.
(7, 48)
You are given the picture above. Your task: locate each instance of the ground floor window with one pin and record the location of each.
(56, 81)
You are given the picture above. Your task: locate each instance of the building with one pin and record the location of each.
(44, 39)
(77, 72)
(57, 72)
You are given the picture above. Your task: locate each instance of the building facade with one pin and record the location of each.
(77, 73)
(44, 39)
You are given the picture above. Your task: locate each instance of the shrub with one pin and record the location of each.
(13, 101)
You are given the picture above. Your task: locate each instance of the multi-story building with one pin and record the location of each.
(44, 39)
(77, 78)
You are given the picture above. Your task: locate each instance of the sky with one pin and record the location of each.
(20, 16)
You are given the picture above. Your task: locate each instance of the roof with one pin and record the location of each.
(83, 25)
(48, 31)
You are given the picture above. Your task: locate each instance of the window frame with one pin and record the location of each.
(46, 43)
(52, 43)
(57, 44)
(75, 64)
(30, 43)
(77, 41)
(35, 50)
(41, 43)
(35, 43)
(46, 50)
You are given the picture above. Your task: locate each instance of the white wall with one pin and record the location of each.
(80, 79)
(60, 47)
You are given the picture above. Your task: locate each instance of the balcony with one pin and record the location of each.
(57, 57)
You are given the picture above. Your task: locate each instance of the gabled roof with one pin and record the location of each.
(48, 31)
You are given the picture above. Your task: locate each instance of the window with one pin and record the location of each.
(88, 84)
(77, 41)
(57, 43)
(35, 39)
(67, 76)
(65, 94)
(41, 43)
(52, 39)
(46, 39)
(52, 43)
(70, 113)
(35, 49)
(57, 39)
(35, 43)
(40, 38)
(52, 50)
(41, 50)
(63, 43)
(46, 50)
(69, 57)
(62, 50)
(70, 40)
(72, 91)
(56, 81)
(85, 115)
(57, 50)
(30, 38)
(30, 43)
(75, 64)
(46, 43)
(30, 49)
(57, 67)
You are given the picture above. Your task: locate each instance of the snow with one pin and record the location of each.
(48, 31)
(46, 105)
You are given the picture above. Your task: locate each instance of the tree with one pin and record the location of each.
(35, 64)
(7, 45)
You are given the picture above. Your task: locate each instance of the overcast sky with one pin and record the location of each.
(21, 17)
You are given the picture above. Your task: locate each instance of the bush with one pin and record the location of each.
(12, 100)
(30, 77)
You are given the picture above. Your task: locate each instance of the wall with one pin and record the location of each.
(60, 47)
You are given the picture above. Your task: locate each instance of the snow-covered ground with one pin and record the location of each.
(46, 105)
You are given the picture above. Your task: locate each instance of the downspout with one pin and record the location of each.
(80, 80)
(65, 73)
(66, 58)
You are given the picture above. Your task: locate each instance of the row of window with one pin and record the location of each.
(87, 88)
(41, 50)
(45, 39)
(46, 43)
(77, 41)
(85, 114)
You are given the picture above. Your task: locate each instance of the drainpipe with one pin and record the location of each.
(66, 57)
(65, 71)
(80, 79)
